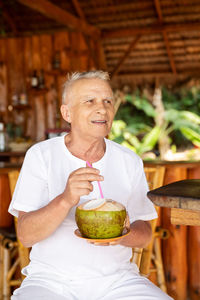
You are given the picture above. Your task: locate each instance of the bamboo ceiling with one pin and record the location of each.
(136, 38)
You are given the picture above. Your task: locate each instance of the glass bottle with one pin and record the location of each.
(3, 138)
(34, 80)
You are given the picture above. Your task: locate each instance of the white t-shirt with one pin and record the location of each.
(43, 176)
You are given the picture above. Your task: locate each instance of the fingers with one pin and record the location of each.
(81, 192)
(79, 184)
(86, 170)
(88, 174)
(82, 185)
(88, 177)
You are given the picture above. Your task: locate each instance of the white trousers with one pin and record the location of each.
(129, 288)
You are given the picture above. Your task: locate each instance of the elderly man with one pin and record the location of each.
(54, 179)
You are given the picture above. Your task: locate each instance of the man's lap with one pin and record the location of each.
(130, 287)
(138, 288)
(37, 292)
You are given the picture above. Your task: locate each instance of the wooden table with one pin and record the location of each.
(183, 197)
(12, 156)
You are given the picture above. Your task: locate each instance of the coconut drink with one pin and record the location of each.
(100, 218)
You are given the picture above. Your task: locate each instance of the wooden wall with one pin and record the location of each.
(19, 57)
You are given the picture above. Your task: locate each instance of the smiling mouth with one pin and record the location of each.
(99, 122)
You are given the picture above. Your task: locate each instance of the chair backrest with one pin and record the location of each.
(154, 176)
(13, 176)
(23, 252)
(155, 179)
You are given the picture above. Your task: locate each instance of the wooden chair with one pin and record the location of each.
(12, 253)
(152, 253)
(8, 261)
(23, 252)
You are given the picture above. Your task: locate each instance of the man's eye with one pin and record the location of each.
(107, 101)
(89, 101)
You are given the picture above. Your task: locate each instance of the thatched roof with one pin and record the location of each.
(139, 38)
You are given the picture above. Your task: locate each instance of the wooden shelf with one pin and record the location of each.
(12, 153)
(37, 92)
(21, 107)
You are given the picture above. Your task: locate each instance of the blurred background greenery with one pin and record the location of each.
(150, 125)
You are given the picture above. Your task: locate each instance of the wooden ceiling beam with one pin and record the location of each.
(8, 18)
(127, 32)
(194, 73)
(169, 53)
(165, 37)
(158, 10)
(78, 9)
(126, 54)
(121, 7)
(134, 43)
(60, 15)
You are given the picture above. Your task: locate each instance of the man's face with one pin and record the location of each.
(90, 107)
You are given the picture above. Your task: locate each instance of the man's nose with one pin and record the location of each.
(100, 108)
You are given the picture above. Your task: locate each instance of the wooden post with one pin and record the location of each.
(194, 262)
(175, 248)
(194, 250)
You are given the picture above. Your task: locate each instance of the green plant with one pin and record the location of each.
(120, 133)
(134, 125)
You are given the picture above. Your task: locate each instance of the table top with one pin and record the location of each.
(12, 153)
(5, 167)
(172, 164)
(183, 194)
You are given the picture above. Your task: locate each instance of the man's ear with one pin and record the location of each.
(65, 112)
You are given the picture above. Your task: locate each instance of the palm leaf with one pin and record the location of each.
(191, 135)
(190, 116)
(151, 138)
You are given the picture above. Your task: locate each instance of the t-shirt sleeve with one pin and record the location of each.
(139, 205)
(31, 191)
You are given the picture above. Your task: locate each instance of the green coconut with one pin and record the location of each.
(100, 220)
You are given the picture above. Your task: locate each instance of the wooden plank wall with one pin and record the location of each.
(20, 56)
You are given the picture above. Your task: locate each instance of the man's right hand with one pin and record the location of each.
(37, 225)
(79, 184)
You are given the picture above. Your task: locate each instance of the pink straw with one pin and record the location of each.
(100, 189)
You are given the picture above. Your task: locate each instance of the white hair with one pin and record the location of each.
(82, 75)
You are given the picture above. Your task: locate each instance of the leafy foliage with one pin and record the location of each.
(134, 124)
(183, 99)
